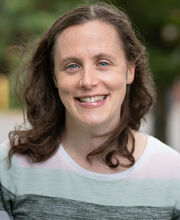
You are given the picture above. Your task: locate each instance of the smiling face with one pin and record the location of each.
(91, 74)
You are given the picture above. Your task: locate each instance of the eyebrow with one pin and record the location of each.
(75, 59)
(104, 55)
(70, 59)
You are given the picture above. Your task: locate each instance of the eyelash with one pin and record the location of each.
(72, 69)
(103, 62)
(69, 67)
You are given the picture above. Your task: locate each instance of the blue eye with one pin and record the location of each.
(72, 67)
(103, 64)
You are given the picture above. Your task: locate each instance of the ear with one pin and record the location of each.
(130, 73)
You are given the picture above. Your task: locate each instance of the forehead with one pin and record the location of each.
(91, 37)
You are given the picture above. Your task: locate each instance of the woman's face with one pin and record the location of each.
(91, 73)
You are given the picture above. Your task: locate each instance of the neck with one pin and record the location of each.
(81, 140)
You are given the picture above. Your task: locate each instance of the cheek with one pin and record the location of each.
(66, 90)
(116, 82)
(117, 87)
(65, 85)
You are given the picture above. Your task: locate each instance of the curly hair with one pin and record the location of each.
(45, 111)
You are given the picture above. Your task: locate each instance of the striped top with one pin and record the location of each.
(60, 189)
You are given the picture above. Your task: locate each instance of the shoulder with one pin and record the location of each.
(158, 147)
(8, 173)
(4, 149)
(162, 159)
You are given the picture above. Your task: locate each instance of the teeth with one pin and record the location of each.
(92, 99)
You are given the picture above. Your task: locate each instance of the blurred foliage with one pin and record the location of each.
(159, 24)
(23, 21)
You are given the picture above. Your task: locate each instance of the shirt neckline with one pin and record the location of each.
(100, 176)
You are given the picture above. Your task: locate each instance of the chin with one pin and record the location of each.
(93, 121)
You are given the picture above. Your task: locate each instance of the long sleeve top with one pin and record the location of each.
(61, 189)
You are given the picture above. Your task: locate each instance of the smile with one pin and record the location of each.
(95, 101)
(92, 99)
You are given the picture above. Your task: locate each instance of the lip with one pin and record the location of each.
(96, 104)
(89, 96)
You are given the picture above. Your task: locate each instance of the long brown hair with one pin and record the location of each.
(45, 111)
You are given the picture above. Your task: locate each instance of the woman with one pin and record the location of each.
(87, 89)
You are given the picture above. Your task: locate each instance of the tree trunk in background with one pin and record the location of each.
(160, 115)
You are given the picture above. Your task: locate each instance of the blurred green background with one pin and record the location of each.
(158, 22)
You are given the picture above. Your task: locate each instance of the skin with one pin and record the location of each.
(90, 61)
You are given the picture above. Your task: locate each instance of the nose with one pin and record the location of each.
(88, 79)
